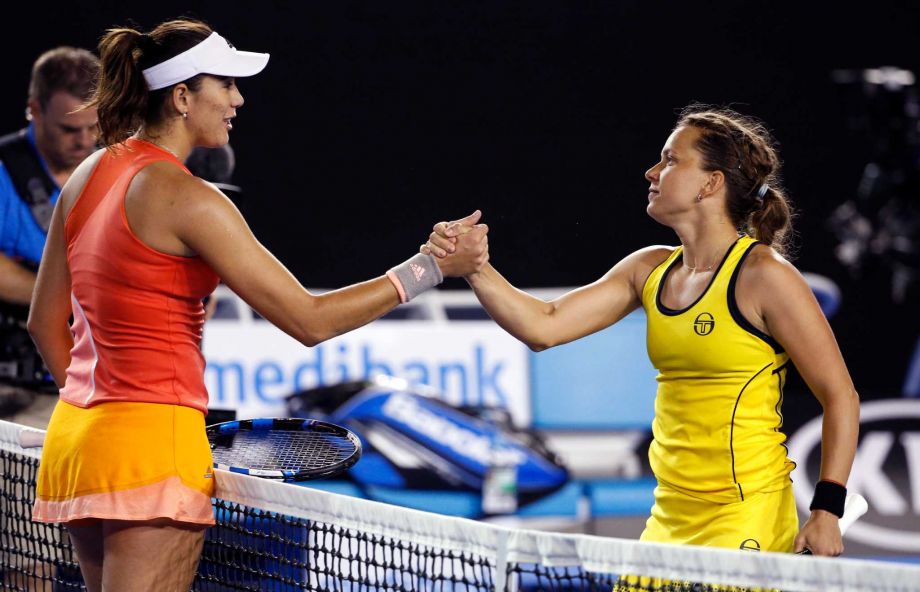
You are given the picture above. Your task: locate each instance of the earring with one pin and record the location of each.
(185, 115)
(699, 196)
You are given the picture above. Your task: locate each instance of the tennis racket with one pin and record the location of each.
(290, 449)
(854, 507)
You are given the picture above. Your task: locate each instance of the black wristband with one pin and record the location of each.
(829, 496)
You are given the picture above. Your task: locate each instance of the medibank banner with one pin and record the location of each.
(252, 367)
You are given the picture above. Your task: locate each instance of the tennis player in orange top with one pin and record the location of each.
(135, 243)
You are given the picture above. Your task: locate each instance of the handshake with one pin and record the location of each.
(460, 247)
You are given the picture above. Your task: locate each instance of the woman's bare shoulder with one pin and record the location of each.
(78, 179)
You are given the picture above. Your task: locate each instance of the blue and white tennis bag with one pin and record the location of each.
(413, 440)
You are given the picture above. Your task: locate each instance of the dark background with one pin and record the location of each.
(376, 119)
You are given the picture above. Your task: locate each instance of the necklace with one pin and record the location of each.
(700, 268)
(158, 145)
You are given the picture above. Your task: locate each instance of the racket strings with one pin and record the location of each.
(285, 451)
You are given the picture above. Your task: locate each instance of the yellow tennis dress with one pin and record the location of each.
(718, 452)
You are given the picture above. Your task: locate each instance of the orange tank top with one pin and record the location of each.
(138, 313)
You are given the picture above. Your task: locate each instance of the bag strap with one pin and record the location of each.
(31, 180)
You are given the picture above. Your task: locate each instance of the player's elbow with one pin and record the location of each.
(845, 400)
(311, 338)
(37, 325)
(41, 331)
(538, 342)
(312, 334)
(853, 401)
(311, 342)
(538, 346)
(848, 397)
(311, 325)
(32, 325)
(542, 331)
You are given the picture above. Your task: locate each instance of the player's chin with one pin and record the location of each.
(216, 140)
(655, 213)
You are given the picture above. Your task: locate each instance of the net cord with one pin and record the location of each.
(507, 546)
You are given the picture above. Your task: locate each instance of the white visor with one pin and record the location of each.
(213, 56)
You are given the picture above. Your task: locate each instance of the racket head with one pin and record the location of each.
(289, 449)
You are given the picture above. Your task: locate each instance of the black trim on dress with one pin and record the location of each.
(736, 312)
(673, 312)
(731, 435)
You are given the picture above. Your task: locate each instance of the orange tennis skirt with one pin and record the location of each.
(125, 461)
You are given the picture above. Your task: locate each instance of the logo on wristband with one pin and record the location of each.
(417, 270)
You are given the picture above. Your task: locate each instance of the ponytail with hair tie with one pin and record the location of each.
(145, 43)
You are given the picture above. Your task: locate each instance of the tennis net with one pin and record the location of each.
(275, 536)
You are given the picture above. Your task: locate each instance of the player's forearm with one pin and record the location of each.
(312, 319)
(16, 282)
(840, 431)
(517, 312)
(354, 306)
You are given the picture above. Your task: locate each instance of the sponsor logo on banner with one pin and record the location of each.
(886, 471)
(253, 367)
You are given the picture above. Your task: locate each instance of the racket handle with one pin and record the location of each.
(854, 507)
(29, 438)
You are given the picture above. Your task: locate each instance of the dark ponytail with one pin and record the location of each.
(771, 222)
(122, 97)
(745, 151)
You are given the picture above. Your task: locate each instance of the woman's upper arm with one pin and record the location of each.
(50, 305)
(606, 301)
(211, 226)
(794, 318)
(51, 298)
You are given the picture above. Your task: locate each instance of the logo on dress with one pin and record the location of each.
(207, 473)
(750, 545)
(704, 324)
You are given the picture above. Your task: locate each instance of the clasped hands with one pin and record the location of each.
(461, 246)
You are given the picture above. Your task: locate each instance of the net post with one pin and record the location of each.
(501, 560)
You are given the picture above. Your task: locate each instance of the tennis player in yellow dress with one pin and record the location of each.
(726, 312)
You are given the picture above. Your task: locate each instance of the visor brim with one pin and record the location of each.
(239, 64)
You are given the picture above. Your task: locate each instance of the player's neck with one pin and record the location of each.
(704, 251)
(166, 139)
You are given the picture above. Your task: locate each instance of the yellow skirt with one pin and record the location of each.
(762, 522)
(125, 461)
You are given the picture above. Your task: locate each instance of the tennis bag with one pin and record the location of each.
(413, 440)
